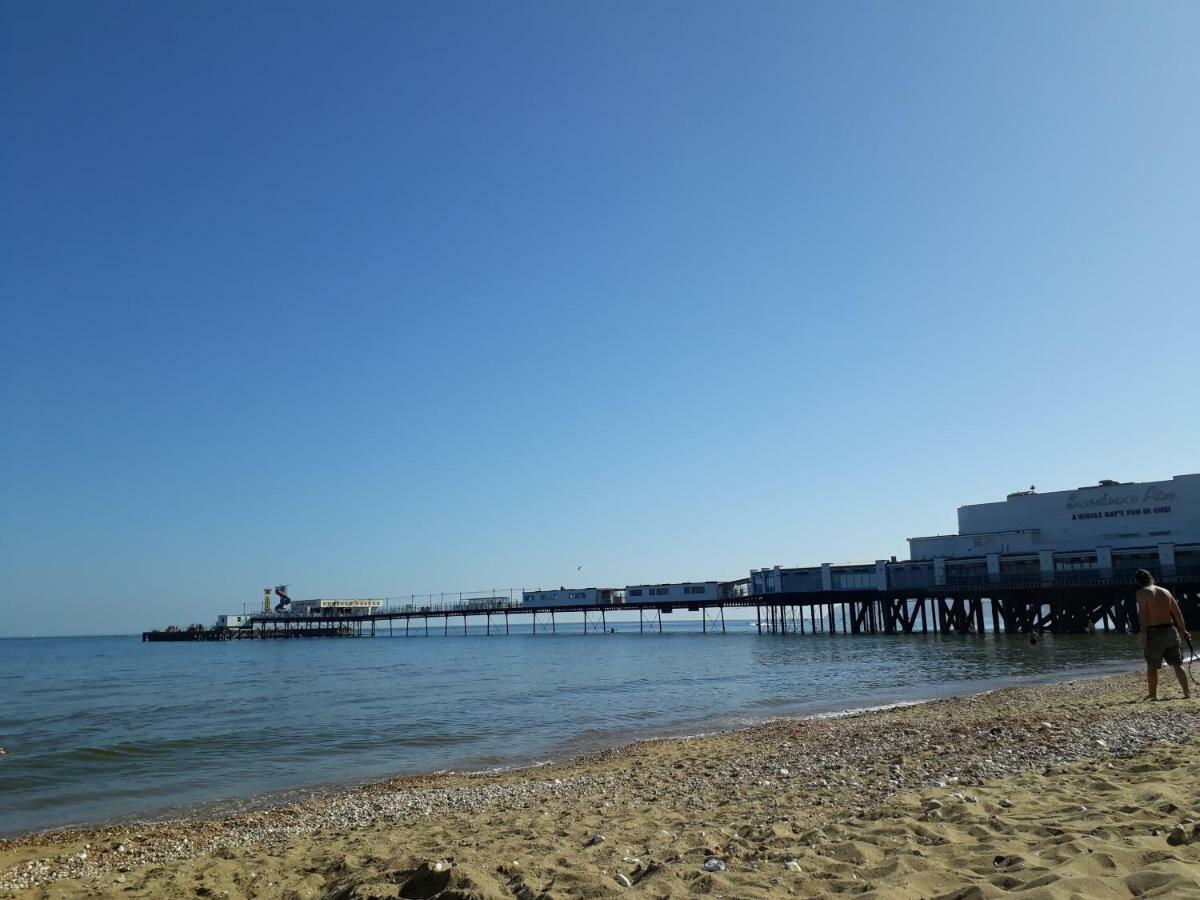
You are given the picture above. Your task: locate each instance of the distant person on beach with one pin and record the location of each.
(1162, 624)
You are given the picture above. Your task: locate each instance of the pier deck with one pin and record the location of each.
(1013, 607)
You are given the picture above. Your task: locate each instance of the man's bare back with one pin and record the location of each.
(1159, 607)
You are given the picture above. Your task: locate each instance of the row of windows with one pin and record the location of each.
(852, 580)
(697, 589)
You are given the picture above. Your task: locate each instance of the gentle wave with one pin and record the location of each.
(114, 729)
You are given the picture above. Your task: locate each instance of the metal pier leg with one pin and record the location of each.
(758, 616)
(603, 620)
(641, 621)
(506, 621)
(446, 625)
(488, 632)
(704, 621)
(843, 618)
(995, 615)
(427, 626)
(464, 624)
(722, 618)
(832, 620)
(554, 630)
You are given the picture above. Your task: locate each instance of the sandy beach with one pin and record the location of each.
(1069, 790)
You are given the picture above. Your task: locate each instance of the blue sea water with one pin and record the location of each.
(101, 729)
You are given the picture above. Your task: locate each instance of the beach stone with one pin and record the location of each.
(596, 838)
(1177, 836)
(376, 890)
(712, 864)
(793, 865)
(1006, 803)
(623, 880)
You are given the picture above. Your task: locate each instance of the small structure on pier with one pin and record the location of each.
(572, 597)
(319, 607)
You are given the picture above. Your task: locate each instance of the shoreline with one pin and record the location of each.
(568, 751)
(935, 745)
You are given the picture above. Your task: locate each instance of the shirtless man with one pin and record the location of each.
(1162, 623)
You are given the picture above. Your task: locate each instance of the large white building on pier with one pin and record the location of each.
(1102, 531)
(1106, 530)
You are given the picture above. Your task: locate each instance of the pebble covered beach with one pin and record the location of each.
(1077, 789)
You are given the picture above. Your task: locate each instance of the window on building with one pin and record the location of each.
(659, 592)
(635, 592)
(1075, 564)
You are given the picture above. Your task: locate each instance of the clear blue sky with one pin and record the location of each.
(376, 298)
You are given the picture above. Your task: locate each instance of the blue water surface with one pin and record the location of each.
(99, 729)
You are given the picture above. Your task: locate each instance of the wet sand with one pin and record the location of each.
(1068, 790)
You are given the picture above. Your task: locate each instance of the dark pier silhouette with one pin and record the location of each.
(1013, 606)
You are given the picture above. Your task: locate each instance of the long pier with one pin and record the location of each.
(1012, 607)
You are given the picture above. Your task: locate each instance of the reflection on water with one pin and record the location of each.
(104, 728)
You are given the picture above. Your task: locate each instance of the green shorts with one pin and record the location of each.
(1162, 642)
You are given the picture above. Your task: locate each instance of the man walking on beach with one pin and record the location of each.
(1162, 623)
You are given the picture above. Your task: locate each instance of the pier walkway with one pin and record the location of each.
(1076, 606)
